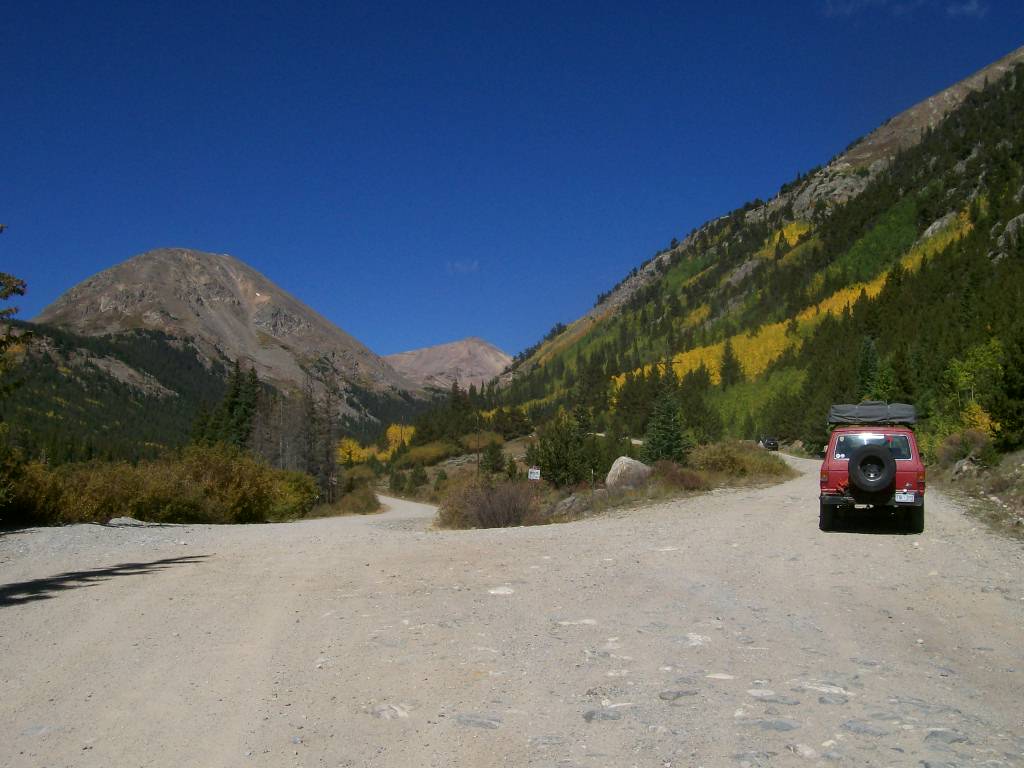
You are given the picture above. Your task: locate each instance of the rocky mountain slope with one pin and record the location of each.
(887, 273)
(816, 193)
(469, 361)
(232, 312)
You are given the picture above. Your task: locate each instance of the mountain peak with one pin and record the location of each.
(230, 309)
(468, 361)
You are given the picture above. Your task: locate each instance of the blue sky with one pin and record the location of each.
(421, 172)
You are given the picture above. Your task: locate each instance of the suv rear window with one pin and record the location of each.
(898, 444)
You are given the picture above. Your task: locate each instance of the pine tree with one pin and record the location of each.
(492, 460)
(730, 372)
(867, 369)
(559, 451)
(417, 478)
(664, 437)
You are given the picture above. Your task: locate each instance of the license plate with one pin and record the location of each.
(905, 497)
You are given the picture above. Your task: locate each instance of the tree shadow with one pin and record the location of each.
(43, 589)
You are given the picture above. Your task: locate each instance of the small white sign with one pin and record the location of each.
(533, 473)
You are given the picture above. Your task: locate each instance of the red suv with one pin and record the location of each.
(872, 461)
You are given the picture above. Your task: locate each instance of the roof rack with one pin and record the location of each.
(872, 412)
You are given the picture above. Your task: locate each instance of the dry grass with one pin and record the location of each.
(214, 484)
(480, 503)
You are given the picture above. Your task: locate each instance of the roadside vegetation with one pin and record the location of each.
(575, 465)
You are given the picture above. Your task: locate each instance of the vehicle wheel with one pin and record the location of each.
(872, 469)
(915, 520)
(827, 517)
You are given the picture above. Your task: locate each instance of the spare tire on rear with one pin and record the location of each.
(872, 469)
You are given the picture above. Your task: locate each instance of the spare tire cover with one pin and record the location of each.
(871, 468)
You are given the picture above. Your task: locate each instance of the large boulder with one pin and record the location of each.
(627, 473)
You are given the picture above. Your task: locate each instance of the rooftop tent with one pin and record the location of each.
(873, 412)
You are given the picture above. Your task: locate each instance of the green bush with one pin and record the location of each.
(397, 482)
(417, 477)
(736, 459)
(440, 479)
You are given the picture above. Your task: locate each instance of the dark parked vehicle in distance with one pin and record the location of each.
(771, 443)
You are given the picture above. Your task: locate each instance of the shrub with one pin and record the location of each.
(417, 477)
(440, 479)
(492, 460)
(483, 504)
(204, 484)
(397, 481)
(428, 454)
(970, 443)
(478, 441)
(293, 495)
(353, 477)
(672, 476)
(560, 451)
(361, 501)
(736, 459)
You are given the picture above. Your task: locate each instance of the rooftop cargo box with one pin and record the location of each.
(873, 412)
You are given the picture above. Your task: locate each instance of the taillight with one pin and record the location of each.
(824, 477)
(920, 481)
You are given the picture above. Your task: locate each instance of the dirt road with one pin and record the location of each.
(724, 630)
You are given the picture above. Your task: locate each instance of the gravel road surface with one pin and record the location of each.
(724, 630)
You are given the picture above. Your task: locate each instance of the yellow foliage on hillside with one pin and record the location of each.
(959, 227)
(911, 261)
(398, 435)
(349, 451)
(576, 331)
(755, 351)
(791, 231)
(798, 252)
(976, 417)
(697, 316)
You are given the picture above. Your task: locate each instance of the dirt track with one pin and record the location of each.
(718, 631)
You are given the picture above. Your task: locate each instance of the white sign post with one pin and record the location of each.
(533, 473)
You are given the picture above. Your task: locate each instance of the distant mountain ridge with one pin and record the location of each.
(469, 361)
(231, 312)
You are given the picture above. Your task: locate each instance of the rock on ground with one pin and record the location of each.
(627, 473)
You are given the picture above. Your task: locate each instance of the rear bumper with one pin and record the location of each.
(847, 501)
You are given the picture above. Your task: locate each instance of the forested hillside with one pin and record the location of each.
(125, 396)
(906, 286)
